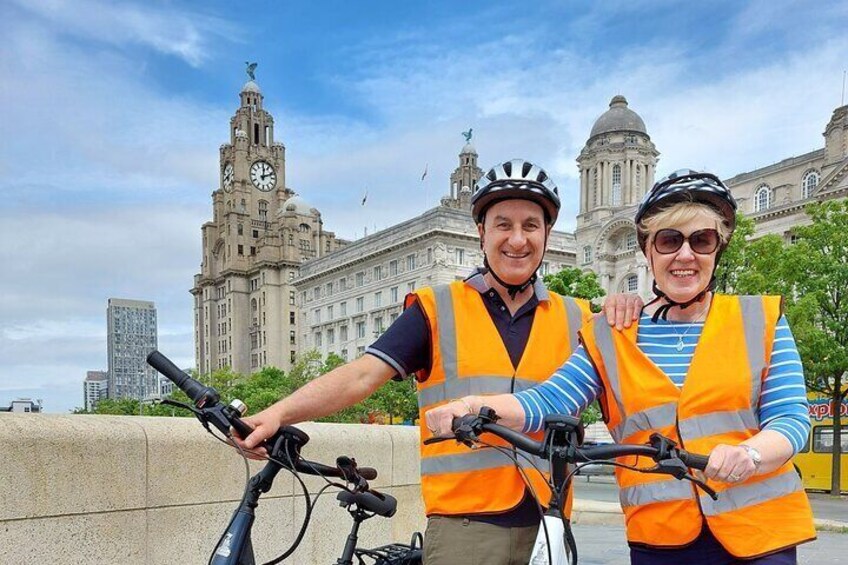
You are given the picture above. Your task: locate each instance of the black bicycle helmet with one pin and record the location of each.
(687, 185)
(515, 179)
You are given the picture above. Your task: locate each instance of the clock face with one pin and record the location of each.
(263, 176)
(228, 177)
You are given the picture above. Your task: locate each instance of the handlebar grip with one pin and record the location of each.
(694, 460)
(367, 473)
(194, 389)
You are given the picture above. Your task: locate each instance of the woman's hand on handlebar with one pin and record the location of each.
(440, 419)
(265, 424)
(729, 464)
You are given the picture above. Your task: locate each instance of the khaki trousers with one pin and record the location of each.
(460, 541)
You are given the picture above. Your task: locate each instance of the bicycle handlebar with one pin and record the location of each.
(466, 428)
(208, 404)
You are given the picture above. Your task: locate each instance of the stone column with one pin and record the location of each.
(605, 184)
(625, 183)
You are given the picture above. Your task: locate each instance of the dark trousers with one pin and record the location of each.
(454, 540)
(705, 550)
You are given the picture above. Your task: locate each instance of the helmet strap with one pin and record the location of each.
(663, 309)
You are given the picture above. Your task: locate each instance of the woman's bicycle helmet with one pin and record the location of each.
(686, 185)
(517, 179)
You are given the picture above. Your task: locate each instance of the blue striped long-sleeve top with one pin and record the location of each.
(783, 401)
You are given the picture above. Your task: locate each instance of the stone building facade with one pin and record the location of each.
(275, 283)
(618, 164)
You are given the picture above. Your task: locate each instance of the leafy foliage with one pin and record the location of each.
(574, 282)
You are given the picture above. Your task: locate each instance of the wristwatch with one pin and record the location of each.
(754, 454)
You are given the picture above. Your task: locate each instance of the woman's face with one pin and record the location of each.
(682, 274)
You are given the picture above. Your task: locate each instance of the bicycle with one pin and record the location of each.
(360, 500)
(560, 446)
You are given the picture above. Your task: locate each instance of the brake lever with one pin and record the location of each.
(678, 469)
(179, 404)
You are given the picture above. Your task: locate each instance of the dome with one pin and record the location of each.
(618, 118)
(468, 149)
(251, 86)
(299, 205)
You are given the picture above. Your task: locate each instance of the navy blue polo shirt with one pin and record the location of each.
(406, 344)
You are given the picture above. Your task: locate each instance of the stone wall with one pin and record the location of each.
(132, 490)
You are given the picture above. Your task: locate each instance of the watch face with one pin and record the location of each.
(228, 177)
(263, 175)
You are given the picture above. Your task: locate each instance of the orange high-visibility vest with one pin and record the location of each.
(468, 356)
(716, 405)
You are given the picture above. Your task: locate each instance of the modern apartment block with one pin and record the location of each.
(130, 336)
(95, 387)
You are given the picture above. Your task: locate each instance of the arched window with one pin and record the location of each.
(263, 210)
(616, 185)
(631, 283)
(587, 254)
(762, 198)
(809, 184)
(630, 241)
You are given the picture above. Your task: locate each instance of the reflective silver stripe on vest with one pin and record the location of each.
(447, 330)
(575, 320)
(754, 324)
(457, 388)
(660, 491)
(474, 460)
(746, 495)
(653, 418)
(718, 423)
(603, 338)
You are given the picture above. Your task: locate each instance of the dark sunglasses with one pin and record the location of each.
(702, 242)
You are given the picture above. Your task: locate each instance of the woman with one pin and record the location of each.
(718, 374)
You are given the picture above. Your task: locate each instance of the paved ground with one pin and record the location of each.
(606, 545)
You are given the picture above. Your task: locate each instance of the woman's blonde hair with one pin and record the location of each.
(679, 213)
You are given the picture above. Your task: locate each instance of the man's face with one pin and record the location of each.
(513, 236)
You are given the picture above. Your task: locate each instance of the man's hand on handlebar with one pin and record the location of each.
(265, 424)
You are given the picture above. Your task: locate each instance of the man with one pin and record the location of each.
(497, 331)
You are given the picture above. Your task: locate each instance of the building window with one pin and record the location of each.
(291, 239)
(292, 338)
(378, 299)
(460, 256)
(378, 274)
(410, 286)
(241, 249)
(616, 185)
(342, 284)
(630, 242)
(809, 184)
(378, 325)
(240, 229)
(410, 262)
(429, 255)
(317, 339)
(343, 334)
(393, 294)
(343, 309)
(762, 198)
(316, 318)
(263, 210)
(331, 336)
(329, 289)
(360, 279)
(544, 268)
(631, 283)
(291, 298)
(360, 304)
(392, 268)
(329, 312)
(344, 354)
(316, 293)
(291, 356)
(595, 186)
(291, 318)
(587, 254)
(360, 350)
(360, 329)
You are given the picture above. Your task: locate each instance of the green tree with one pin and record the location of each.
(734, 259)
(574, 282)
(818, 266)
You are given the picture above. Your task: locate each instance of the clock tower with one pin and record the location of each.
(261, 231)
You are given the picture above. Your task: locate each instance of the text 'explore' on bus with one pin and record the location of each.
(815, 461)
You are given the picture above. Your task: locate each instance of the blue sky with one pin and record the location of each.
(113, 113)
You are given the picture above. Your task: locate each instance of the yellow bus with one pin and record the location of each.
(814, 461)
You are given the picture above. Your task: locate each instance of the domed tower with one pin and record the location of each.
(463, 178)
(617, 167)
